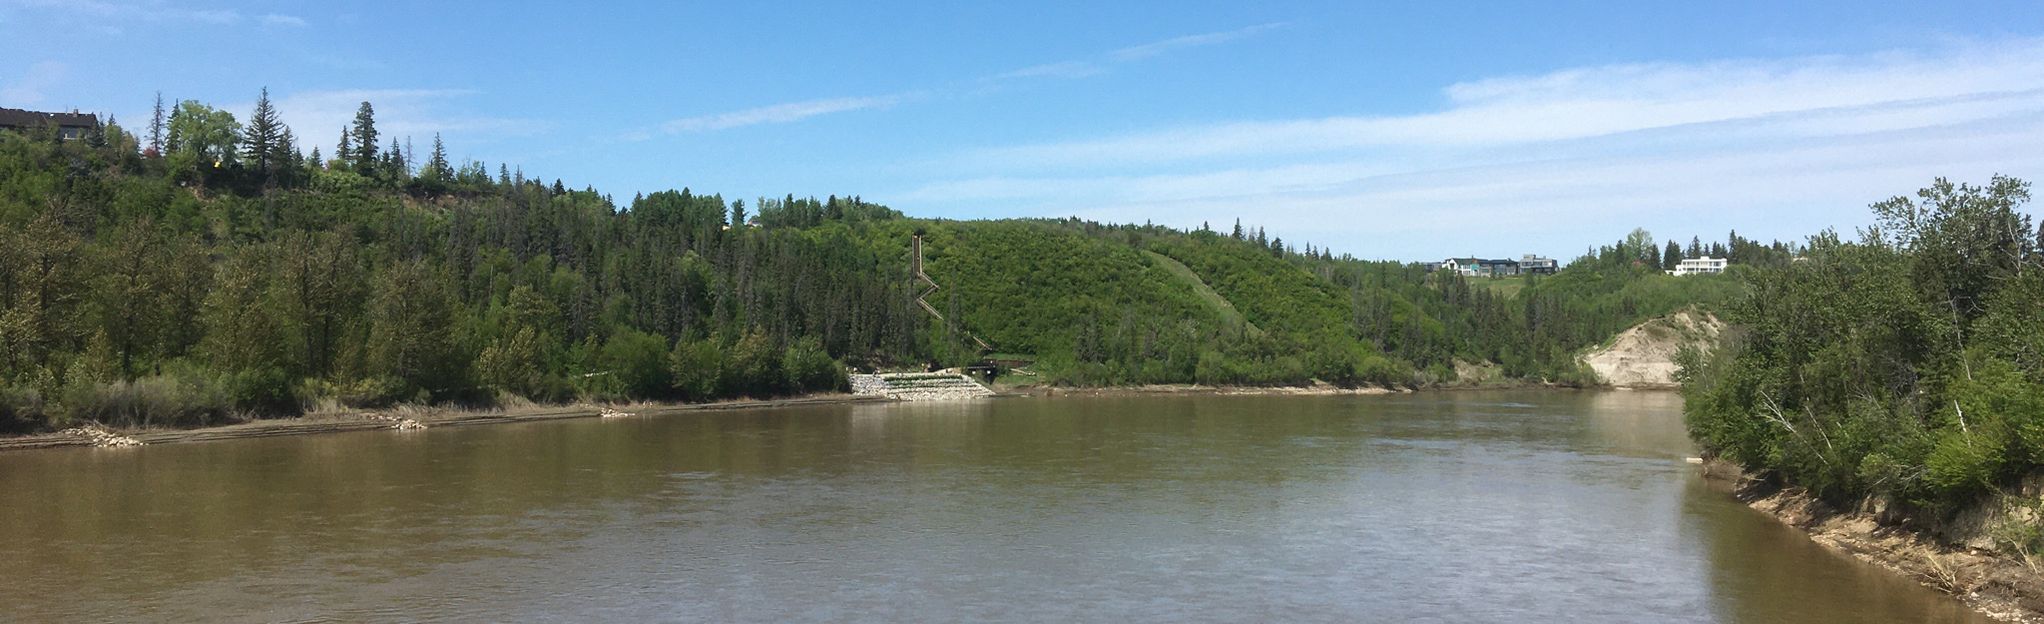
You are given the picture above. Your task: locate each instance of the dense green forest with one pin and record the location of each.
(1906, 365)
(207, 269)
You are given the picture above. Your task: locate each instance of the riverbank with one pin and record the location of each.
(413, 417)
(1963, 563)
(1195, 389)
(402, 418)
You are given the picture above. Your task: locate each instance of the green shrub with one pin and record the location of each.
(22, 410)
(512, 363)
(697, 369)
(753, 367)
(639, 362)
(810, 369)
(377, 393)
(265, 392)
(1382, 371)
(165, 400)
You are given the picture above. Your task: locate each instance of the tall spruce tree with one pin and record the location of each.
(395, 161)
(262, 139)
(287, 160)
(364, 133)
(345, 150)
(437, 166)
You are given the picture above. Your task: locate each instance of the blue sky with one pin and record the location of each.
(1387, 130)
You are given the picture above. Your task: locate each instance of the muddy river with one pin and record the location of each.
(1532, 506)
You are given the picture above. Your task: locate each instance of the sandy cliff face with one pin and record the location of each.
(1644, 356)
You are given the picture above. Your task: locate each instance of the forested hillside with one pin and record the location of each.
(1907, 365)
(207, 269)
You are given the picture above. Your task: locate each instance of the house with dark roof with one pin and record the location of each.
(71, 126)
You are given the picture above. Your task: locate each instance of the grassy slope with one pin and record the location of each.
(1272, 293)
(1206, 293)
(1025, 286)
(1504, 287)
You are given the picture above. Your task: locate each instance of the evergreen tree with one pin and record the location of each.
(1671, 257)
(2040, 245)
(394, 161)
(288, 160)
(344, 152)
(364, 134)
(96, 136)
(156, 122)
(263, 139)
(437, 167)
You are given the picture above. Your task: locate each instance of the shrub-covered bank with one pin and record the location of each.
(1906, 367)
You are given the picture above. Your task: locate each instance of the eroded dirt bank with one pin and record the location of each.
(1959, 560)
(1644, 355)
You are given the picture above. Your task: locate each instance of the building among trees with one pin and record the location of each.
(71, 126)
(1699, 266)
(1479, 267)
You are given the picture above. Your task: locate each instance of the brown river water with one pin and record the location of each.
(1533, 506)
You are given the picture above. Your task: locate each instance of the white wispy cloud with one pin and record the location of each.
(151, 11)
(1067, 69)
(1156, 48)
(1795, 144)
(1601, 101)
(796, 111)
(27, 90)
(778, 113)
(1104, 64)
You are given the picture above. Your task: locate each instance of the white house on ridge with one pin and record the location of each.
(1700, 266)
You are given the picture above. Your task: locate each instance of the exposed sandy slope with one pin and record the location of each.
(1644, 356)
